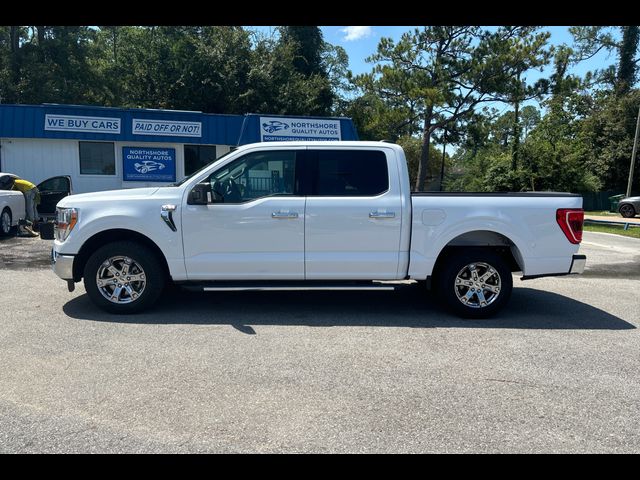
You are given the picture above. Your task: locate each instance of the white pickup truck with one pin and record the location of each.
(312, 215)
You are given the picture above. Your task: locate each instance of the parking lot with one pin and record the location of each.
(556, 371)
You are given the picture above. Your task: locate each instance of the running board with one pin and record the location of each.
(252, 286)
(261, 289)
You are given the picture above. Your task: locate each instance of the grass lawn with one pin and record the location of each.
(602, 213)
(618, 230)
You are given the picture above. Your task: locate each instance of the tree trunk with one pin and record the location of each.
(444, 149)
(626, 64)
(424, 155)
(115, 44)
(516, 135)
(40, 32)
(41, 40)
(14, 62)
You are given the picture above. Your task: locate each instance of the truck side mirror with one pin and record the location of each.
(200, 194)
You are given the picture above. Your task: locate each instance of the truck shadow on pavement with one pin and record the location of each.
(409, 307)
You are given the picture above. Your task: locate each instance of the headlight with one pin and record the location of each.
(67, 219)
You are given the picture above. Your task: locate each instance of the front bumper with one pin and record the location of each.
(62, 265)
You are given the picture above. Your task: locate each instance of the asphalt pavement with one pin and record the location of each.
(556, 371)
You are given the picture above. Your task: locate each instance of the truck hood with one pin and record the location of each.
(108, 196)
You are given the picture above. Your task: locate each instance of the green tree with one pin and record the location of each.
(48, 64)
(308, 49)
(435, 77)
(308, 45)
(627, 60)
(607, 138)
(590, 40)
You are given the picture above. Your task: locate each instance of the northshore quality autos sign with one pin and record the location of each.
(278, 129)
(148, 164)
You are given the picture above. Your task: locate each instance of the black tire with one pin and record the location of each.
(144, 260)
(460, 262)
(627, 210)
(5, 230)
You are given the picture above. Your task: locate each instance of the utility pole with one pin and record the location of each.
(633, 155)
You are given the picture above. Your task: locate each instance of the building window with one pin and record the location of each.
(197, 156)
(97, 158)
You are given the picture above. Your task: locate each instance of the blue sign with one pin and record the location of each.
(148, 164)
(281, 129)
(81, 123)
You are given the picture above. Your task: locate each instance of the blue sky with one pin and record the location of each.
(360, 42)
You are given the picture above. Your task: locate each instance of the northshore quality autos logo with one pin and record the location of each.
(148, 166)
(274, 126)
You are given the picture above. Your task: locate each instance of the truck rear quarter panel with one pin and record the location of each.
(528, 221)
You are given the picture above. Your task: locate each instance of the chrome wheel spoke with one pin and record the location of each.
(487, 275)
(114, 271)
(492, 288)
(481, 299)
(125, 267)
(115, 296)
(108, 281)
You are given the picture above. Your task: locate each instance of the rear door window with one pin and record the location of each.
(350, 173)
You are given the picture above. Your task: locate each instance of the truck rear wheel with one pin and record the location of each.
(476, 283)
(123, 277)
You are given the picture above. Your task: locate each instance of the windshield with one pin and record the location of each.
(177, 184)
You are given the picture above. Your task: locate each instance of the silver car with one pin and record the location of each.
(629, 207)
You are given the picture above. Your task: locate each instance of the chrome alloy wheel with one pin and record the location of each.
(5, 222)
(477, 285)
(121, 279)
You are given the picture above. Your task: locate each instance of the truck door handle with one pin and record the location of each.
(377, 214)
(284, 214)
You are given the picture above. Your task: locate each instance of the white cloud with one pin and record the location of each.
(356, 33)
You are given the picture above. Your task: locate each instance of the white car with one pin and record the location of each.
(12, 204)
(12, 207)
(323, 215)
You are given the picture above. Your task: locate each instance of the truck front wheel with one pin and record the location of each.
(123, 277)
(475, 283)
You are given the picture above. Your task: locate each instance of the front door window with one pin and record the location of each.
(255, 175)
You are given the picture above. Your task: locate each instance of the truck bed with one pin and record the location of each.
(494, 194)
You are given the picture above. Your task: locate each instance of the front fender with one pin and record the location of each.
(144, 220)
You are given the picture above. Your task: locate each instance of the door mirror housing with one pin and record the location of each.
(199, 195)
